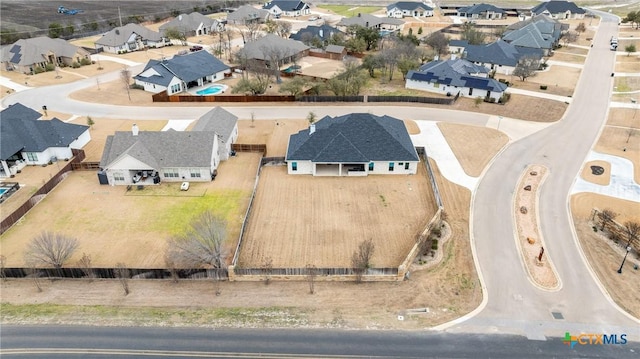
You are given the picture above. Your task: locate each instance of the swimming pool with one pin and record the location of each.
(3, 190)
(212, 90)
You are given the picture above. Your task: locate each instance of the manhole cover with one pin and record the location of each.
(597, 170)
(557, 315)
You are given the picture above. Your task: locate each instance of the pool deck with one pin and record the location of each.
(194, 90)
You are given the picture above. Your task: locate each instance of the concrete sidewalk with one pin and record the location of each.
(13, 85)
(539, 95)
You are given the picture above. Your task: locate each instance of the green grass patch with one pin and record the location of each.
(350, 10)
(622, 84)
(226, 204)
(42, 313)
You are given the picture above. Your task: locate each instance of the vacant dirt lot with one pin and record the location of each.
(628, 63)
(473, 146)
(603, 255)
(520, 107)
(613, 141)
(300, 220)
(113, 225)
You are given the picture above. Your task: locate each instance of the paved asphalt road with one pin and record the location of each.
(514, 304)
(105, 342)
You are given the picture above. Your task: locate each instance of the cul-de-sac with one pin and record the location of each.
(449, 166)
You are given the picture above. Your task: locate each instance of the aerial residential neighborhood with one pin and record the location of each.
(452, 173)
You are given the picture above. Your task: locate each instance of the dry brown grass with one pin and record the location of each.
(576, 59)
(613, 141)
(603, 255)
(520, 107)
(115, 226)
(628, 64)
(624, 117)
(602, 179)
(473, 146)
(299, 220)
(626, 83)
(274, 133)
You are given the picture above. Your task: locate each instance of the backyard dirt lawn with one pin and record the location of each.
(300, 220)
(113, 225)
(604, 255)
(449, 290)
(473, 146)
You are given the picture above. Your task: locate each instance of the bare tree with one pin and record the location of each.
(569, 37)
(526, 67)
(312, 273)
(85, 265)
(250, 31)
(50, 249)
(171, 267)
(34, 273)
(606, 217)
(581, 28)
(228, 36)
(632, 230)
(361, 258)
(123, 274)
(284, 28)
(3, 263)
(267, 268)
(438, 42)
(125, 76)
(202, 246)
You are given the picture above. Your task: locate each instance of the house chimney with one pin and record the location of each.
(180, 18)
(312, 129)
(321, 33)
(135, 129)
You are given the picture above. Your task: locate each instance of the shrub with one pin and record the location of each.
(595, 229)
(543, 87)
(38, 70)
(50, 67)
(434, 245)
(75, 65)
(137, 87)
(436, 232)
(502, 80)
(505, 98)
(85, 62)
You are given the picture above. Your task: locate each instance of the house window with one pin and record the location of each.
(370, 166)
(406, 165)
(390, 166)
(32, 156)
(294, 166)
(436, 85)
(171, 173)
(118, 177)
(194, 173)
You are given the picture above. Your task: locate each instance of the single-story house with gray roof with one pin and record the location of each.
(181, 72)
(481, 12)
(539, 32)
(130, 37)
(225, 124)
(356, 144)
(289, 8)
(25, 55)
(453, 77)
(559, 10)
(499, 56)
(273, 47)
(194, 24)
(401, 9)
(26, 139)
(247, 14)
(372, 22)
(151, 157)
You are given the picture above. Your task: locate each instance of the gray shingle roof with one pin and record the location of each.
(187, 67)
(20, 129)
(323, 32)
(217, 120)
(285, 5)
(161, 149)
(409, 6)
(356, 137)
(456, 72)
(247, 13)
(367, 20)
(187, 23)
(555, 7)
(260, 48)
(120, 35)
(25, 52)
(539, 32)
(480, 8)
(499, 53)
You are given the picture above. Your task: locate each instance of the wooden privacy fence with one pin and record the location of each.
(85, 166)
(422, 152)
(331, 98)
(317, 271)
(78, 156)
(243, 147)
(414, 99)
(109, 273)
(163, 97)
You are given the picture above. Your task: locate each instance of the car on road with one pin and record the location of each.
(313, 18)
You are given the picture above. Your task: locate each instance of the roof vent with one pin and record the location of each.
(180, 18)
(117, 32)
(312, 129)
